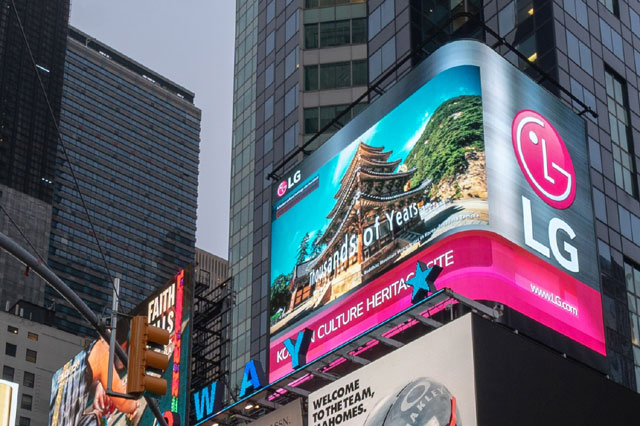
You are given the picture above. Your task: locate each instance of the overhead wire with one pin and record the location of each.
(61, 142)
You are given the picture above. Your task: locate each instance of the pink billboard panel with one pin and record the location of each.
(480, 265)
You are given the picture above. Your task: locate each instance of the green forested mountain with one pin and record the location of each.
(454, 129)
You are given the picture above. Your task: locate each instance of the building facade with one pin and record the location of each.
(132, 138)
(308, 59)
(28, 137)
(28, 132)
(27, 359)
(241, 236)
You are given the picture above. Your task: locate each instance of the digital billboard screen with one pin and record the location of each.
(78, 389)
(467, 164)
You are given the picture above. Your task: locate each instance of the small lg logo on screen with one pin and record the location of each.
(544, 159)
(282, 188)
(289, 183)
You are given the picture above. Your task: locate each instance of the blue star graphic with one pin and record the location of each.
(423, 281)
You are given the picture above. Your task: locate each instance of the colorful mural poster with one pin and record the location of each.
(78, 389)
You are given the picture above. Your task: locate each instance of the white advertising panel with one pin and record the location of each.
(8, 403)
(429, 382)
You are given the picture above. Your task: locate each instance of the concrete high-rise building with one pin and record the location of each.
(32, 352)
(132, 137)
(28, 138)
(300, 63)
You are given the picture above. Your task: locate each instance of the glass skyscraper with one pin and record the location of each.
(301, 62)
(241, 236)
(132, 137)
(28, 138)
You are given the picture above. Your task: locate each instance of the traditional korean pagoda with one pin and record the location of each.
(359, 236)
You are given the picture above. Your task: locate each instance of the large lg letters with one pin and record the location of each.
(570, 263)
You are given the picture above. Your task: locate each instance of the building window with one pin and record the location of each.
(24, 421)
(32, 336)
(335, 75)
(271, 11)
(525, 10)
(7, 373)
(311, 77)
(10, 349)
(579, 52)
(632, 278)
(359, 73)
(27, 402)
(359, 30)
(380, 17)
(316, 118)
(31, 356)
(578, 9)
(621, 143)
(529, 49)
(11, 329)
(291, 138)
(270, 43)
(291, 100)
(268, 108)
(268, 141)
(311, 120)
(268, 76)
(612, 5)
(291, 26)
(311, 36)
(291, 62)
(611, 39)
(335, 33)
(29, 379)
(382, 59)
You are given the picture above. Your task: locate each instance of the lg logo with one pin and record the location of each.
(285, 185)
(544, 159)
(546, 164)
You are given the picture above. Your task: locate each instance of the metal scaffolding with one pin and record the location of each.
(211, 329)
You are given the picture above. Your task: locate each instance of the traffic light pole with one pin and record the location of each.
(54, 281)
(112, 342)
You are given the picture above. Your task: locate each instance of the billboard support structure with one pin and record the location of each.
(54, 281)
(286, 389)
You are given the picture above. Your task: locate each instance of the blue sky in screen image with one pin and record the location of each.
(397, 131)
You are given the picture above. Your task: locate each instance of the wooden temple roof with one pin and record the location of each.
(366, 202)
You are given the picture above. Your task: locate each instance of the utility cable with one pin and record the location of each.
(60, 141)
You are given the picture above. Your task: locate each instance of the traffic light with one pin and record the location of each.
(141, 358)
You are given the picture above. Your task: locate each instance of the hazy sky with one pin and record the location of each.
(190, 42)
